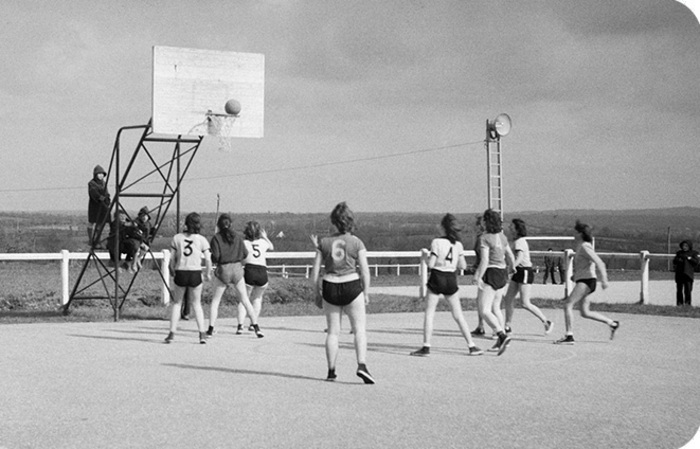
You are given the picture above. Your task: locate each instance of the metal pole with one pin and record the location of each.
(488, 167)
(668, 245)
(117, 237)
(500, 177)
(177, 202)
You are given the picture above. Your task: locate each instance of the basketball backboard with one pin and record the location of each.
(188, 83)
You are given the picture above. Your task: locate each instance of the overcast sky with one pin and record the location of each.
(379, 103)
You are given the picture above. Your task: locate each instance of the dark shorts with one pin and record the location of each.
(229, 273)
(188, 278)
(591, 283)
(496, 277)
(524, 275)
(443, 283)
(255, 275)
(341, 294)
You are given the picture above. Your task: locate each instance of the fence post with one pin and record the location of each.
(398, 270)
(65, 276)
(165, 272)
(423, 270)
(644, 292)
(568, 271)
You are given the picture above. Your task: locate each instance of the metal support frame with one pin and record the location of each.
(494, 171)
(166, 171)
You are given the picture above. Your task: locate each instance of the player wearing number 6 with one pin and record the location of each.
(189, 248)
(257, 244)
(342, 288)
(446, 257)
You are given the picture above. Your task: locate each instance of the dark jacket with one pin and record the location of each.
(223, 252)
(685, 262)
(98, 205)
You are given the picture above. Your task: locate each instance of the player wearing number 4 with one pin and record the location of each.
(189, 248)
(343, 289)
(446, 257)
(257, 244)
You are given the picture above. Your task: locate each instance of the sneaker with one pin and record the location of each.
(566, 340)
(478, 332)
(548, 326)
(422, 352)
(251, 328)
(475, 350)
(508, 330)
(239, 329)
(331, 375)
(258, 332)
(503, 344)
(615, 326)
(494, 336)
(210, 331)
(170, 337)
(202, 338)
(364, 374)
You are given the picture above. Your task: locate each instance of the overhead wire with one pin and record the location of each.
(281, 169)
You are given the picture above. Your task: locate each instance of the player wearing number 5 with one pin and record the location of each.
(446, 257)
(342, 288)
(257, 244)
(189, 248)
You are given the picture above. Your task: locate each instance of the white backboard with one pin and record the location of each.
(189, 82)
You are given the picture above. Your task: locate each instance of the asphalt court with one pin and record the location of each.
(114, 385)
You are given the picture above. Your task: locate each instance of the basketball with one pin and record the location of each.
(233, 107)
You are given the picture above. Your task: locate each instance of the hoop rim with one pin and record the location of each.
(210, 113)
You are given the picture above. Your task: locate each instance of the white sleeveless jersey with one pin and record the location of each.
(521, 246)
(189, 250)
(257, 250)
(447, 254)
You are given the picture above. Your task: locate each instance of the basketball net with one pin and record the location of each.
(221, 126)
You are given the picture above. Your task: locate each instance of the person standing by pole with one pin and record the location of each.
(684, 265)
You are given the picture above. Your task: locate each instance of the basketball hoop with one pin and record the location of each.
(221, 126)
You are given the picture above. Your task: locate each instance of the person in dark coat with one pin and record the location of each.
(98, 206)
(684, 265)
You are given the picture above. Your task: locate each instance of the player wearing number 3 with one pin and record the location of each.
(189, 248)
(446, 257)
(257, 244)
(343, 289)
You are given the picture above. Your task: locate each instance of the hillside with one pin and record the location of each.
(615, 231)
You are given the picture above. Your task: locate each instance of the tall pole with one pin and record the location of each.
(668, 245)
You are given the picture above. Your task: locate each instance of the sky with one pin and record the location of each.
(382, 104)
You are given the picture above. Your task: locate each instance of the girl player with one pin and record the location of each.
(492, 276)
(586, 261)
(523, 278)
(257, 244)
(189, 247)
(229, 253)
(342, 288)
(446, 257)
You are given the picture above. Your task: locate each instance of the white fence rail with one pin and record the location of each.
(420, 257)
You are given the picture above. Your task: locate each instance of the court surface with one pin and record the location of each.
(117, 385)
